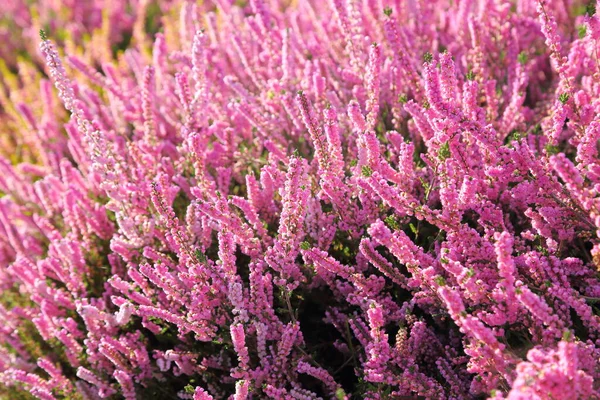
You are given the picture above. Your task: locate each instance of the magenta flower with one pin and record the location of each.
(299, 200)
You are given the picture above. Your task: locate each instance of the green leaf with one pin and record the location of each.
(201, 257)
(189, 389)
(516, 135)
(413, 228)
(563, 98)
(444, 151)
(427, 57)
(390, 220)
(551, 149)
(590, 9)
(440, 280)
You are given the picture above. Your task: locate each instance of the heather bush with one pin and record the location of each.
(376, 199)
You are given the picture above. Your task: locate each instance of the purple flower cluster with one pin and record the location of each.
(332, 199)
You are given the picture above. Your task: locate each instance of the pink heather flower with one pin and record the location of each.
(452, 301)
(550, 31)
(319, 373)
(58, 74)
(282, 254)
(448, 81)
(88, 376)
(201, 394)
(433, 89)
(124, 314)
(238, 338)
(373, 81)
(587, 151)
(552, 373)
(147, 104)
(507, 269)
(356, 116)
(247, 203)
(539, 309)
(315, 131)
(126, 384)
(241, 390)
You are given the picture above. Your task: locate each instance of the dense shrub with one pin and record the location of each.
(299, 199)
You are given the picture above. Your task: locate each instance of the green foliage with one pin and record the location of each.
(444, 151)
(392, 223)
(14, 393)
(189, 389)
(551, 149)
(152, 20)
(563, 98)
(340, 394)
(413, 229)
(590, 8)
(200, 256)
(470, 75)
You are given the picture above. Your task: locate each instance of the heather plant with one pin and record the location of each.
(299, 199)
